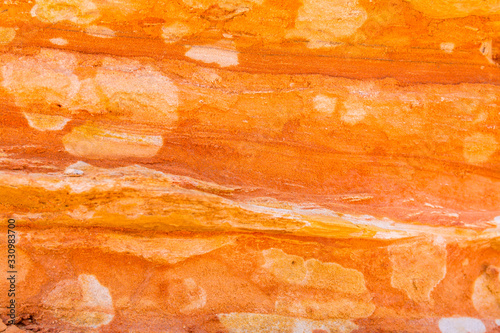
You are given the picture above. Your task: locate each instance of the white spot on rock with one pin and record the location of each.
(461, 325)
(325, 104)
(212, 54)
(447, 47)
(59, 41)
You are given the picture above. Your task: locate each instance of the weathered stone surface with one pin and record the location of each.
(251, 166)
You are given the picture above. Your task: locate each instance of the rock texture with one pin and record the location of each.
(251, 165)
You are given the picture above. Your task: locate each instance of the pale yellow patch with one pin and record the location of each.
(266, 323)
(486, 293)
(95, 142)
(99, 31)
(328, 20)
(228, 5)
(46, 78)
(174, 32)
(7, 35)
(286, 267)
(479, 147)
(313, 273)
(88, 98)
(340, 308)
(164, 250)
(444, 9)
(354, 111)
(417, 268)
(43, 122)
(325, 104)
(59, 41)
(76, 11)
(447, 47)
(141, 94)
(83, 302)
(213, 54)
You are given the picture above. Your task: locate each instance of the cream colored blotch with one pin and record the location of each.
(486, 293)
(83, 302)
(479, 147)
(174, 32)
(325, 104)
(44, 79)
(328, 20)
(76, 11)
(59, 41)
(447, 47)
(461, 325)
(213, 54)
(139, 93)
(266, 323)
(96, 142)
(354, 111)
(43, 122)
(7, 35)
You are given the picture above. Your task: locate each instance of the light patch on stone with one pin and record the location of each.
(43, 122)
(164, 250)
(354, 111)
(417, 268)
(83, 302)
(286, 267)
(99, 31)
(59, 41)
(313, 273)
(46, 78)
(325, 104)
(445, 9)
(7, 35)
(228, 5)
(188, 293)
(319, 44)
(486, 293)
(340, 308)
(461, 325)
(212, 54)
(479, 147)
(447, 47)
(328, 20)
(95, 142)
(497, 321)
(76, 11)
(88, 98)
(266, 323)
(142, 94)
(174, 32)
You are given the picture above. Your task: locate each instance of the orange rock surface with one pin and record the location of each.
(298, 166)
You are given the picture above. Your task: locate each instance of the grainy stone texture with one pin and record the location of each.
(251, 165)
